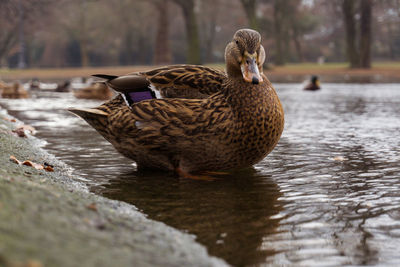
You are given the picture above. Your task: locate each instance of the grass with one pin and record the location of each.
(382, 68)
(335, 66)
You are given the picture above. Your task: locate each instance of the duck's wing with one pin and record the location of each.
(171, 124)
(176, 81)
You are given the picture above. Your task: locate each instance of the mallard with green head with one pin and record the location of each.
(192, 119)
(314, 84)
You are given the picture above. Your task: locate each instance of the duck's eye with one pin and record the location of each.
(237, 42)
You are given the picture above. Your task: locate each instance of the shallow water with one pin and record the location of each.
(329, 194)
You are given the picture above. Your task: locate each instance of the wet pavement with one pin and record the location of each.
(329, 194)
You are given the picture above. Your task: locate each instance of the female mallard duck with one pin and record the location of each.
(98, 91)
(14, 91)
(207, 120)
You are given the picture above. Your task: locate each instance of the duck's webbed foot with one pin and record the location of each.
(184, 174)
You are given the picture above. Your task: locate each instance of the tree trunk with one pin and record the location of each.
(162, 53)
(350, 27)
(297, 44)
(365, 34)
(21, 35)
(295, 22)
(82, 36)
(250, 9)
(6, 42)
(209, 25)
(209, 44)
(192, 34)
(84, 52)
(278, 25)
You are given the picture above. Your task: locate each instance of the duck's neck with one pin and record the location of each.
(245, 95)
(233, 72)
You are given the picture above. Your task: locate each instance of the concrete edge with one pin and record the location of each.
(51, 219)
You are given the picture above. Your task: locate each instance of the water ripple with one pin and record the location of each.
(328, 195)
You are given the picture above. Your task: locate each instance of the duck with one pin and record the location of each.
(96, 90)
(13, 91)
(64, 86)
(313, 85)
(192, 119)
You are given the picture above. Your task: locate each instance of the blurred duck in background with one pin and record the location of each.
(97, 90)
(313, 85)
(64, 87)
(36, 85)
(14, 91)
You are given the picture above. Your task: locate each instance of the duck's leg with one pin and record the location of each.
(184, 174)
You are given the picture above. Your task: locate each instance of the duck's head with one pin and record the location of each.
(244, 56)
(315, 80)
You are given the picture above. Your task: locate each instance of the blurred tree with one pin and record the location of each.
(386, 31)
(162, 51)
(21, 35)
(77, 24)
(209, 27)
(301, 22)
(16, 18)
(250, 7)
(358, 50)
(365, 33)
(82, 34)
(280, 15)
(348, 7)
(114, 32)
(192, 34)
(9, 26)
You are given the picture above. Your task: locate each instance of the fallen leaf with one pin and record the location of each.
(15, 160)
(47, 164)
(23, 129)
(8, 119)
(92, 207)
(339, 158)
(49, 168)
(33, 164)
(19, 132)
(27, 163)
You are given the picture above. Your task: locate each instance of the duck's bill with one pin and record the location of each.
(250, 70)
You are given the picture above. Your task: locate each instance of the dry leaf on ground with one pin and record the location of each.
(23, 129)
(49, 168)
(35, 165)
(8, 119)
(15, 160)
(92, 207)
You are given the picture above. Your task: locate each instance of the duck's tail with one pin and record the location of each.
(96, 118)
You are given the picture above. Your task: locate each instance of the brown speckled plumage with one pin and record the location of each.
(186, 81)
(228, 123)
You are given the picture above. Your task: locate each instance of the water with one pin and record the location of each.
(329, 194)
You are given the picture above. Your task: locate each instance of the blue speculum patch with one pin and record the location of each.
(135, 97)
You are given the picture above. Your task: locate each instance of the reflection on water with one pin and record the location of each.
(327, 195)
(230, 215)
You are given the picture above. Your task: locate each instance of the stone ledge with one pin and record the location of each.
(50, 219)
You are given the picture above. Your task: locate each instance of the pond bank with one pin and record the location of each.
(290, 73)
(50, 218)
